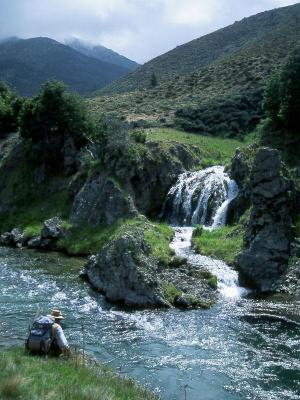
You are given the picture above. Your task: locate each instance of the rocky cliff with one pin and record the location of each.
(269, 234)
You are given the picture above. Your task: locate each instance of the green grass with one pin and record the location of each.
(86, 240)
(171, 292)
(214, 150)
(222, 243)
(26, 377)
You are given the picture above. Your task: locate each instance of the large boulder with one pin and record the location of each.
(269, 235)
(101, 201)
(126, 272)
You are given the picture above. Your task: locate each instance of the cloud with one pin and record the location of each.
(139, 29)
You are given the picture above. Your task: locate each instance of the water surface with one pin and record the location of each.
(240, 349)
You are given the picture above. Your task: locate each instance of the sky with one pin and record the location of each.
(138, 29)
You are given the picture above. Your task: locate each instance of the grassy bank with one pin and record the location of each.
(214, 150)
(34, 378)
(222, 243)
(85, 240)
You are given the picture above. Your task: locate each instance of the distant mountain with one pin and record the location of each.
(213, 84)
(102, 53)
(26, 63)
(270, 29)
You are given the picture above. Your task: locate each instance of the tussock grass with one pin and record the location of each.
(29, 377)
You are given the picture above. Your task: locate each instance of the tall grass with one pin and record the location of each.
(29, 377)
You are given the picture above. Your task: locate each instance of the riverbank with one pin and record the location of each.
(34, 377)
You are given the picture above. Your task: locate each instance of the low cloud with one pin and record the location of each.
(138, 29)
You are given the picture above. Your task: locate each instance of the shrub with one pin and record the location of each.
(51, 118)
(9, 110)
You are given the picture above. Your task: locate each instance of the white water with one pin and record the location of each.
(190, 198)
(200, 197)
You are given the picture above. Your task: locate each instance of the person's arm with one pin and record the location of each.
(61, 339)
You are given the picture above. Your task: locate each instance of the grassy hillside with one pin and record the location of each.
(221, 76)
(26, 377)
(26, 64)
(103, 54)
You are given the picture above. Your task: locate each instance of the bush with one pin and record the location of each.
(51, 118)
(282, 104)
(9, 110)
(231, 116)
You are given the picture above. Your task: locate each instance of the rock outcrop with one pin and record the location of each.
(268, 238)
(101, 201)
(126, 272)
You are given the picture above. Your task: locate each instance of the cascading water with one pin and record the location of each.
(202, 197)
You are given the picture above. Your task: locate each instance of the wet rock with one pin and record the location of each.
(101, 201)
(268, 238)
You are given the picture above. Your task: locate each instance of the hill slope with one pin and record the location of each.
(212, 48)
(226, 92)
(26, 63)
(102, 53)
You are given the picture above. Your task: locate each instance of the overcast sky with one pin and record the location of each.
(139, 29)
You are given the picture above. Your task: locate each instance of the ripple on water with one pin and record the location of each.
(234, 351)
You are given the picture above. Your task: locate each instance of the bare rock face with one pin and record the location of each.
(126, 272)
(101, 201)
(268, 239)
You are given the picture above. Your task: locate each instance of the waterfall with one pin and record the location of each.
(200, 197)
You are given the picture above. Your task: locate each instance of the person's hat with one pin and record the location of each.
(56, 314)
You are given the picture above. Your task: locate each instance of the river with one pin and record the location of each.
(242, 348)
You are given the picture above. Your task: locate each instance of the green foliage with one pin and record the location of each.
(171, 292)
(139, 136)
(85, 240)
(282, 105)
(9, 110)
(159, 236)
(232, 116)
(29, 377)
(222, 243)
(153, 80)
(198, 230)
(213, 282)
(50, 119)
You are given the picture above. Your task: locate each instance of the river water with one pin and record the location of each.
(242, 348)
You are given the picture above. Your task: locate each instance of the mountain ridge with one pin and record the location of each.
(26, 63)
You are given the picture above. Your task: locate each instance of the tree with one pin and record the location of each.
(9, 110)
(153, 80)
(52, 118)
(282, 107)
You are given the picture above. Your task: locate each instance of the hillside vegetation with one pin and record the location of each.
(256, 31)
(26, 64)
(213, 84)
